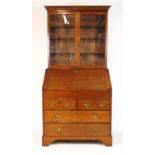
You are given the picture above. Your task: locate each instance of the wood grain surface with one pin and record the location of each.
(77, 116)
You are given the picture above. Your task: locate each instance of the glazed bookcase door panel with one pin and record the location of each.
(62, 39)
(92, 40)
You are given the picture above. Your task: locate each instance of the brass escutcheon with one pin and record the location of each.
(57, 117)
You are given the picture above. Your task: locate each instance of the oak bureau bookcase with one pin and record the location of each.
(77, 93)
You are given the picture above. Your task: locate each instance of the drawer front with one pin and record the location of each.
(77, 129)
(94, 104)
(77, 116)
(77, 94)
(60, 104)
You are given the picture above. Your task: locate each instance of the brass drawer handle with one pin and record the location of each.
(87, 105)
(66, 105)
(58, 129)
(101, 105)
(51, 104)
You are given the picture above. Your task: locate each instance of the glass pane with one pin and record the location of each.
(62, 39)
(92, 40)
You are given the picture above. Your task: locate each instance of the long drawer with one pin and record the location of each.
(59, 104)
(77, 116)
(101, 104)
(77, 129)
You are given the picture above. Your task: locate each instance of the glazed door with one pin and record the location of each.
(62, 39)
(77, 39)
(92, 39)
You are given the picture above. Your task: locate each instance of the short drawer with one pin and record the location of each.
(102, 104)
(77, 116)
(60, 104)
(77, 129)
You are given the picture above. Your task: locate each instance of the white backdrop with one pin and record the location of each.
(40, 54)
